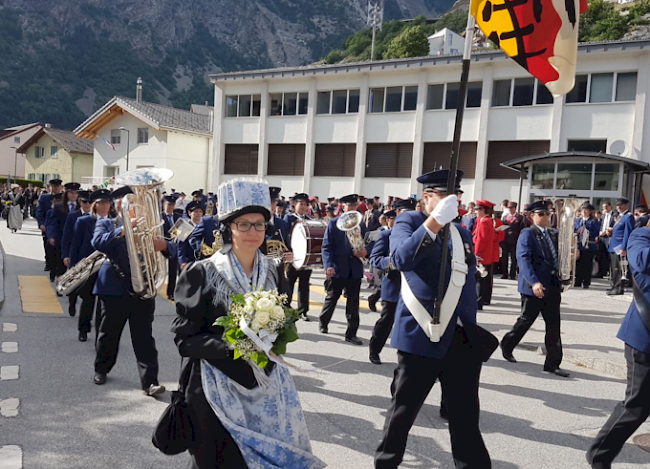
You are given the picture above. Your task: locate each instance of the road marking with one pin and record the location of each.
(363, 304)
(9, 327)
(10, 347)
(37, 295)
(8, 373)
(9, 407)
(11, 457)
(162, 291)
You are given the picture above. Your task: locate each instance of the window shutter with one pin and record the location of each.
(389, 160)
(241, 159)
(437, 154)
(499, 152)
(335, 159)
(286, 160)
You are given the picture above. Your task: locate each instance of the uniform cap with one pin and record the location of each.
(622, 201)
(302, 197)
(170, 199)
(121, 192)
(84, 195)
(349, 199)
(100, 194)
(438, 179)
(539, 206)
(193, 206)
(484, 203)
(390, 214)
(55, 182)
(72, 186)
(406, 204)
(197, 193)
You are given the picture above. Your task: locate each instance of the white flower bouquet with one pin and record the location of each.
(258, 324)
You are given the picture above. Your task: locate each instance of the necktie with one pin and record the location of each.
(551, 248)
(72, 207)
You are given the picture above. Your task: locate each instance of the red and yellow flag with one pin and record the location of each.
(540, 35)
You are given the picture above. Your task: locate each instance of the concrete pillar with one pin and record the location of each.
(482, 143)
(262, 155)
(310, 147)
(360, 155)
(218, 147)
(641, 111)
(556, 124)
(418, 138)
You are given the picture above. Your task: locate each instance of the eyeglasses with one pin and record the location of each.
(245, 226)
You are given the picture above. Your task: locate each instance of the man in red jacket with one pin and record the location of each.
(485, 240)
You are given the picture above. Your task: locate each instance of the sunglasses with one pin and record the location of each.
(543, 213)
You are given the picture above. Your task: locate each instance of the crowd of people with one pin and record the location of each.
(399, 253)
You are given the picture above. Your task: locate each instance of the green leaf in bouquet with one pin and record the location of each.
(238, 298)
(291, 333)
(236, 354)
(231, 335)
(223, 321)
(261, 359)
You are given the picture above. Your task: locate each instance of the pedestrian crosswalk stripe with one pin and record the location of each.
(11, 457)
(37, 295)
(9, 373)
(10, 347)
(9, 327)
(9, 407)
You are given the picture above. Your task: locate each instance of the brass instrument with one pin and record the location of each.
(567, 251)
(208, 251)
(625, 267)
(181, 230)
(276, 249)
(350, 222)
(77, 275)
(480, 268)
(209, 208)
(148, 267)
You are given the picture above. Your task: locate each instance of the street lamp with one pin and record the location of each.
(128, 139)
(15, 159)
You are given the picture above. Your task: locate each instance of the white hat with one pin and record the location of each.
(243, 195)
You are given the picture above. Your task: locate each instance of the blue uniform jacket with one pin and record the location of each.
(107, 239)
(337, 252)
(633, 331)
(54, 224)
(621, 233)
(534, 260)
(593, 226)
(82, 236)
(414, 253)
(68, 232)
(166, 225)
(279, 229)
(203, 233)
(380, 259)
(44, 204)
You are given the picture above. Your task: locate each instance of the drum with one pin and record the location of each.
(306, 242)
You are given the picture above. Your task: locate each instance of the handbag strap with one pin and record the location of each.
(642, 304)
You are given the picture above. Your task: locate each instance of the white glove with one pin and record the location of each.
(446, 210)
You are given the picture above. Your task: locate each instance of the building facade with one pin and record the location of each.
(57, 154)
(11, 139)
(130, 134)
(372, 128)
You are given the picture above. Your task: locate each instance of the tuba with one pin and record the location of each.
(148, 267)
(217, 244)
(567, 251)
(76, 276)
(349, 223)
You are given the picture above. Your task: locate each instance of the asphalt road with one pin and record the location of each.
(530, 420)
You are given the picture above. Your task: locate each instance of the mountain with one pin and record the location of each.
(62, 59)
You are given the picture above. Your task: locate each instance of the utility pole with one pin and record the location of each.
(375, 20)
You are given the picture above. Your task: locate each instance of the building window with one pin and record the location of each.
(438, 154)
(53, 150)
(501, 151)
(543, 96)
(116, 136)
(626, 86)
(335, 159)
(389, 160)
(602, 87)
(543, 176)
(16, 139)
(323, 102)
(143, 135)
(474, 93)
(111, 171)
(606, 176)
(523, 92)
(246, 105)
(286, 160)
(289, 104)
(339, 102)
(353, 100)
(393, 99)
(39, 152)
(574, 176)
(241, 159)
(520, 92)
(579, 92)
(594, 146)
(434, 96)
(501, 93)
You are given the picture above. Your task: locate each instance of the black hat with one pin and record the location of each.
(641, 207)
(539, 206)
(377, 197)
(72, 186)
(58, 196)
(349, 199)
(302, 197)
(438, 179)
(622, 201)
(84, 195)
(406, 204)
(280, 203)
(210, 193)
(197, 193)
(390, 214)
(173, 190)
(331, 198)
(121, 192)
(330, 208)
(170, 199)
(100, 194)
(588, 206)
(193, 206)
(275, 193)
(55, 182)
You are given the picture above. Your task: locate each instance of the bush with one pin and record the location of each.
(22, 182)
(412, 42)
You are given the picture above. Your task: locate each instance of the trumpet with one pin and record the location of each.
(480, 268)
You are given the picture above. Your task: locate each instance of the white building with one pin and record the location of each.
(372, 128)
(446, 42)
(12, 162)
(150, 135)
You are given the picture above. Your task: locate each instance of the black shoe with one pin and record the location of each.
(372, 305)
(585, 286)
(83, 336)
(374, 359)
(354, 340)
(154, 390)
(100, 378)
(505, 277)
(46, 269)
(170, 297)
(52, 277)
(323, 329)
(304, 317)
(558, 372)
(614, 292)
(507, 355)
(72, 310)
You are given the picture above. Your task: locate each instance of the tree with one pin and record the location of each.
(412, 42)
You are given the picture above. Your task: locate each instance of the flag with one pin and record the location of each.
(108, 143)
(540, 35)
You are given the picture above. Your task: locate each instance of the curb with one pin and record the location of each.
(2, 276)
(613, 369)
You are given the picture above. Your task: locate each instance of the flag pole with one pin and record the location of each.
(453, 164)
